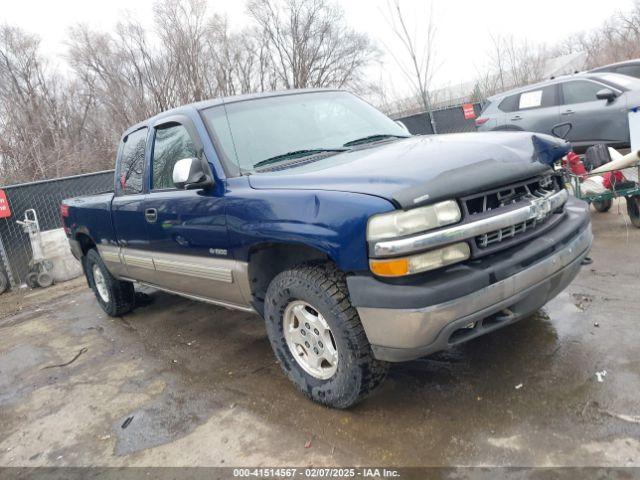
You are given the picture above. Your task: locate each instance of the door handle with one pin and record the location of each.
(517, 117)
(568, 112)
(151, 215)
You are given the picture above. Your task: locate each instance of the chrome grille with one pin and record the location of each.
(496, 200)
(497, 236)
(510, 194)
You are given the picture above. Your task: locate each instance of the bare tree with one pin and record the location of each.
(512, 63)
(617, 39)
(310, 43)
(418, 58)
(497, 60)
(43, 117)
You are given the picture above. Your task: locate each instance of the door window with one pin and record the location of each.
(172, 143)
(580, 91)
(538, 98)
(510, 103)
(132, 163)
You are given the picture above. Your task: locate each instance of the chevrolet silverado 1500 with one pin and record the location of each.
(358, 243)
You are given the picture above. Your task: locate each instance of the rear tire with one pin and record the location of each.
(320, 291)
(633, 209)
(116, 297)
(603, 205)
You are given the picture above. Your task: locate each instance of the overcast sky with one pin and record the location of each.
(463, 26)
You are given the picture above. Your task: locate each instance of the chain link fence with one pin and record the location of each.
(447, 120)
(44, 197)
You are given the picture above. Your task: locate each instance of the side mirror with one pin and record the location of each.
(191, 173)
(606, 94)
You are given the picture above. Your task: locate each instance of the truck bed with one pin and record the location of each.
(92, 212)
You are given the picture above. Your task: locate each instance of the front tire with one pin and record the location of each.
(116, 297)
(318, 338)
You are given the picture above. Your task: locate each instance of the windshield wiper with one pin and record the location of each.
(372, 138)
(296, 154)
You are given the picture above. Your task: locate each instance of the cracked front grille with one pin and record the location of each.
(498, 236)
(507, 197)
(510, 194)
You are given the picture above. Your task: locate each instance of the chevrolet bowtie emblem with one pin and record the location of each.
(541, 207)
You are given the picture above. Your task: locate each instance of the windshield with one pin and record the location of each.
(284, 126)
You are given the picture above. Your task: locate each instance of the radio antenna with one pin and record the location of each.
(233, 142)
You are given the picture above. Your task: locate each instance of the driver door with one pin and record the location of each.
(593, 120)
(187, 231)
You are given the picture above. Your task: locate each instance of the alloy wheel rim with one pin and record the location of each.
(310, 340)
(101, 284)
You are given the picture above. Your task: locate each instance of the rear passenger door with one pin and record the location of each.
(536, 110)
(593, 120)
(127, 211)
(187, 228)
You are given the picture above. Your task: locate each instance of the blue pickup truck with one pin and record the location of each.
(358, 243)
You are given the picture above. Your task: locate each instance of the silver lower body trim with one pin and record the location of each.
(212, 301)
(190, 269)
(221, 281)
(415, 330)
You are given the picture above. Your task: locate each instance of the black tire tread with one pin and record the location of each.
(329, 281)
(122, 297)
(633, 210)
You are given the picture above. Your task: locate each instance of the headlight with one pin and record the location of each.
(401, 223)
(421, 262)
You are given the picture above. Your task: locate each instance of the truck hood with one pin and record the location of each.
(424, 169)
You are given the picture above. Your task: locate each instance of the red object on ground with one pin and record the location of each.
(5, 211)
(469, 112)
(572, 160)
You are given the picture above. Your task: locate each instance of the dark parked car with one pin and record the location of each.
(629, 67)
(596, 104)
(358, 244)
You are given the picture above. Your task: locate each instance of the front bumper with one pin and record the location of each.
(498, 291)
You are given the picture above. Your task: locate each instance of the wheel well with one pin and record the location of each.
(85, 242)
(267, 261)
